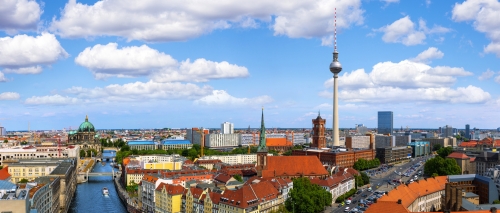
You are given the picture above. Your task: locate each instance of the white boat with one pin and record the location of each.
(105, 191)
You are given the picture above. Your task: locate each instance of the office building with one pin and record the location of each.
(420, 148)
(227, 128)
(222, 140)
(3, 131)
(385, 122)
(357, 142)
(447, 131)
(467, 131)
(393, 154)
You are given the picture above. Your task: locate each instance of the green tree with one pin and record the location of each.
(307, 197)
(238, 178)
(444, 151)
(359, 181)
(83, 153)
(24, 180)
(125, 148)
(24, 143)
(441, 166)
(288, 153)
(496, 202)
(365, 177)
(436, 147)
(5, 141)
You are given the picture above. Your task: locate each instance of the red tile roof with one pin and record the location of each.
(250, 195)
(222, 178)
(4, 173)
(459, 155)
(386, 206)
(215, 197)
(170, 189)
(278, 142)
(293, 166)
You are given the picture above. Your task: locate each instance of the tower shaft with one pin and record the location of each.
(335, 134)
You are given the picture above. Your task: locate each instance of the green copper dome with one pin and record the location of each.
(86, 126)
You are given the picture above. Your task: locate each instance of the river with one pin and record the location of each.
(88, 196)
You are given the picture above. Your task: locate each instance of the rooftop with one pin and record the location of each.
(141, 143)
(175, 142)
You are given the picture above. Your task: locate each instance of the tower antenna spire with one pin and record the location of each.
(335, 32)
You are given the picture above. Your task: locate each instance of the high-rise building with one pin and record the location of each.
(447, 131)
(227, 128)
(3, 132)
(385, 122)
(467, 131)
(335, 68)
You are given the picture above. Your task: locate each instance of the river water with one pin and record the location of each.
(89, 198)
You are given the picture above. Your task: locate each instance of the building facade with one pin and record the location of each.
(393, 154)
(318, 132)
(227, 128)
(222, 140)
(385, 122)
(357, 142)
(85, 136)
(420, 148)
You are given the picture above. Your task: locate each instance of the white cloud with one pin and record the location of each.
(486, 75)
(387, 94)
(201, 70)
(19, 15)
(406, 81)
(25, 54)
(485, 16)
(497, 79)
(25, 70)
(9, 96)
(222, 98)
(52, 100)
(180, 20)
(406, 74)
(427, 55)
(141, 91)
(2, 77)
(109, 60)
(404, 31)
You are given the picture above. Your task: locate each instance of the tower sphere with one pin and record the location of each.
(335, 66)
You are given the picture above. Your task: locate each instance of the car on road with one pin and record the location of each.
(346, 209)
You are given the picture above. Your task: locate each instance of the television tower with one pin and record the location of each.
(335, 68)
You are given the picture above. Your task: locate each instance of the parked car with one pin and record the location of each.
(346, 209)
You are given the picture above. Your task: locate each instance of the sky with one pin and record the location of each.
(198, 63)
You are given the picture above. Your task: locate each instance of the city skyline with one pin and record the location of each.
(143, 65)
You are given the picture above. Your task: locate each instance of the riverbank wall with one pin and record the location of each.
(132, 207)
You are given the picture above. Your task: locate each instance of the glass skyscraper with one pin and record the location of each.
(385, 122)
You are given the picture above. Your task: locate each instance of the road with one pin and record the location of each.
(380, 180)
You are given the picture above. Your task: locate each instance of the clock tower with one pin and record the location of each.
(319, 140)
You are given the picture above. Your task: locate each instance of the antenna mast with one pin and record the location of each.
(335, 32)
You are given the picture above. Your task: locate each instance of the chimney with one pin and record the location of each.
(493, 210)
(399, 201)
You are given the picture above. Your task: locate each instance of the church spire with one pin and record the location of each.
(86, 118)
(262, 139)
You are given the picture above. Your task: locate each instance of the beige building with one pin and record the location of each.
(357, 142)
(467, 165)
(66, 171)
(15, 154)
(444, 142)
(31, 169)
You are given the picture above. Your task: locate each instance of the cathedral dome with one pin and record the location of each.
(86, 126)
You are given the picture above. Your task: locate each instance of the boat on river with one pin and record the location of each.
(105, 191)
(103, 163)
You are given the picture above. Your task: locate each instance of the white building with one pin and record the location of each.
(227, 128)
(11, 154)
(3, 131)
(222, 140)
(233, 159)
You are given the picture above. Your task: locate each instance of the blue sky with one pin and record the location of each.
(155, 64)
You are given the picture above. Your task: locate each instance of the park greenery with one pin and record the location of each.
(436, 147)
(444, 151)
(307, 197)
(439, 166)
(88, 153)
(24, 180)
(363, 164)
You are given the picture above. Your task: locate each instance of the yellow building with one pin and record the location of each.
(163, 165)
(193, 196)
(168, 198)
(30, 170)
(211, 202)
